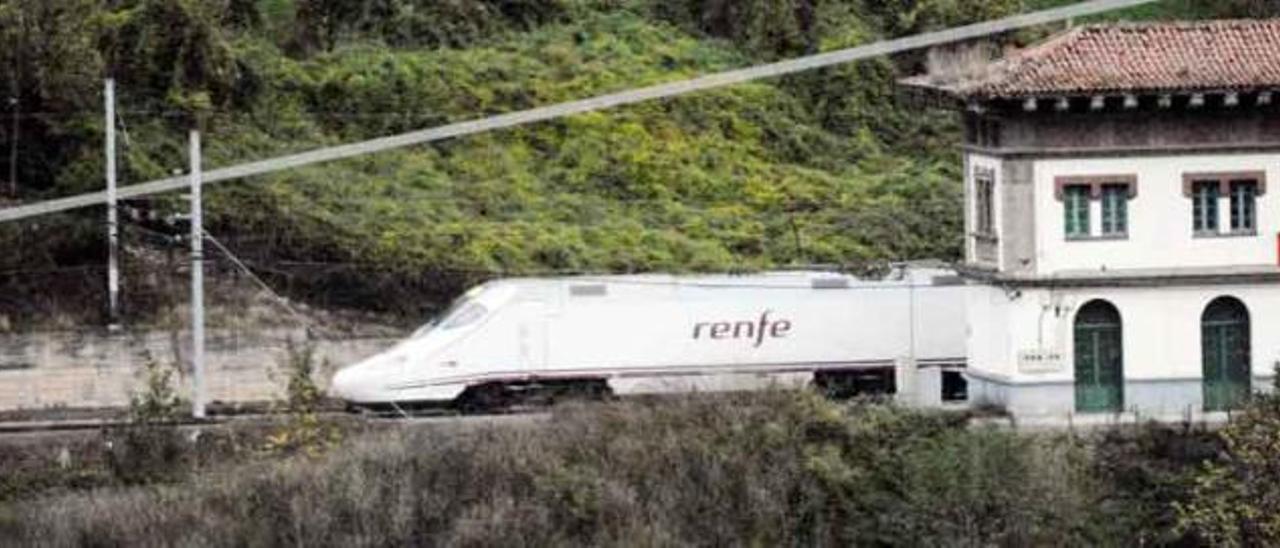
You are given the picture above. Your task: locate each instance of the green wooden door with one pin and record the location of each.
(1225, 354)
(1099, 358)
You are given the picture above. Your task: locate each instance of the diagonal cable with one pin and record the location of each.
(306, 322)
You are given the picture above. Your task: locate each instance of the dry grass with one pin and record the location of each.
(764, 469)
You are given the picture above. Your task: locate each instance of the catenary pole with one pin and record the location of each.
(113, 226)
(197, 281)
(15, 105)
(639, 95)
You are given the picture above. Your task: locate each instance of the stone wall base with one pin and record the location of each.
(78, 370)
(1163, 399)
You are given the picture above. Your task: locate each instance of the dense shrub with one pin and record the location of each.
(1236, 497)
(148, 449)
(769, 469)
(303, 429)
(1148, 470)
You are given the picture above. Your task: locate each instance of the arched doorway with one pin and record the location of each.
(1225, 354)
(1099, 358)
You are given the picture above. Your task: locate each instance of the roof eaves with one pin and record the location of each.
(995, 72)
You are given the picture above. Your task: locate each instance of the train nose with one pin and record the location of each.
(354, 384)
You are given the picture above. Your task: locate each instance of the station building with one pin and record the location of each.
(1121, 240)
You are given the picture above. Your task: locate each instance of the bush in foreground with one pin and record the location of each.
(755, 469)
(1236, 497)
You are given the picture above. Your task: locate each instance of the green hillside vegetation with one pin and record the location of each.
(829, 167)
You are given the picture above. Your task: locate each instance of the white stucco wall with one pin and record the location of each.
(1160, 216)
(1161, 329)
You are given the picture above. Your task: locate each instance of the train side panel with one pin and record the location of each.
(722, 339)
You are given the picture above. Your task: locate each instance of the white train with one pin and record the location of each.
(641, 334)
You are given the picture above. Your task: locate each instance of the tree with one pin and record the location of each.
(904, 17)
(47, 64)
(769, 28)
(172, 52)
(244, 14)
(1248, 8)
(319, 22)
(1236, 499)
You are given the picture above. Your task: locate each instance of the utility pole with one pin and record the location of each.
(15, 103)
(113, 225)
(197, 282)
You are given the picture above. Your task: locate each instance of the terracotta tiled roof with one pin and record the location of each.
(1233, 55)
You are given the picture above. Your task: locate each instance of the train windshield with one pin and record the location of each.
(469, 313)
(464, 311)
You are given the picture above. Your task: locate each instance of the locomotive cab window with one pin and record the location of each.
(467, 315)
(462, 312)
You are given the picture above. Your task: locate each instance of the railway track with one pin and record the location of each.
(407, 417)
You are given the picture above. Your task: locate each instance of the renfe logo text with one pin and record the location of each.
(750, 330)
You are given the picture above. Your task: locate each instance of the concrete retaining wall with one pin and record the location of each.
(75, 369)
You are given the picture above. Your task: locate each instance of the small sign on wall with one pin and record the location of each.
(1040, 361)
